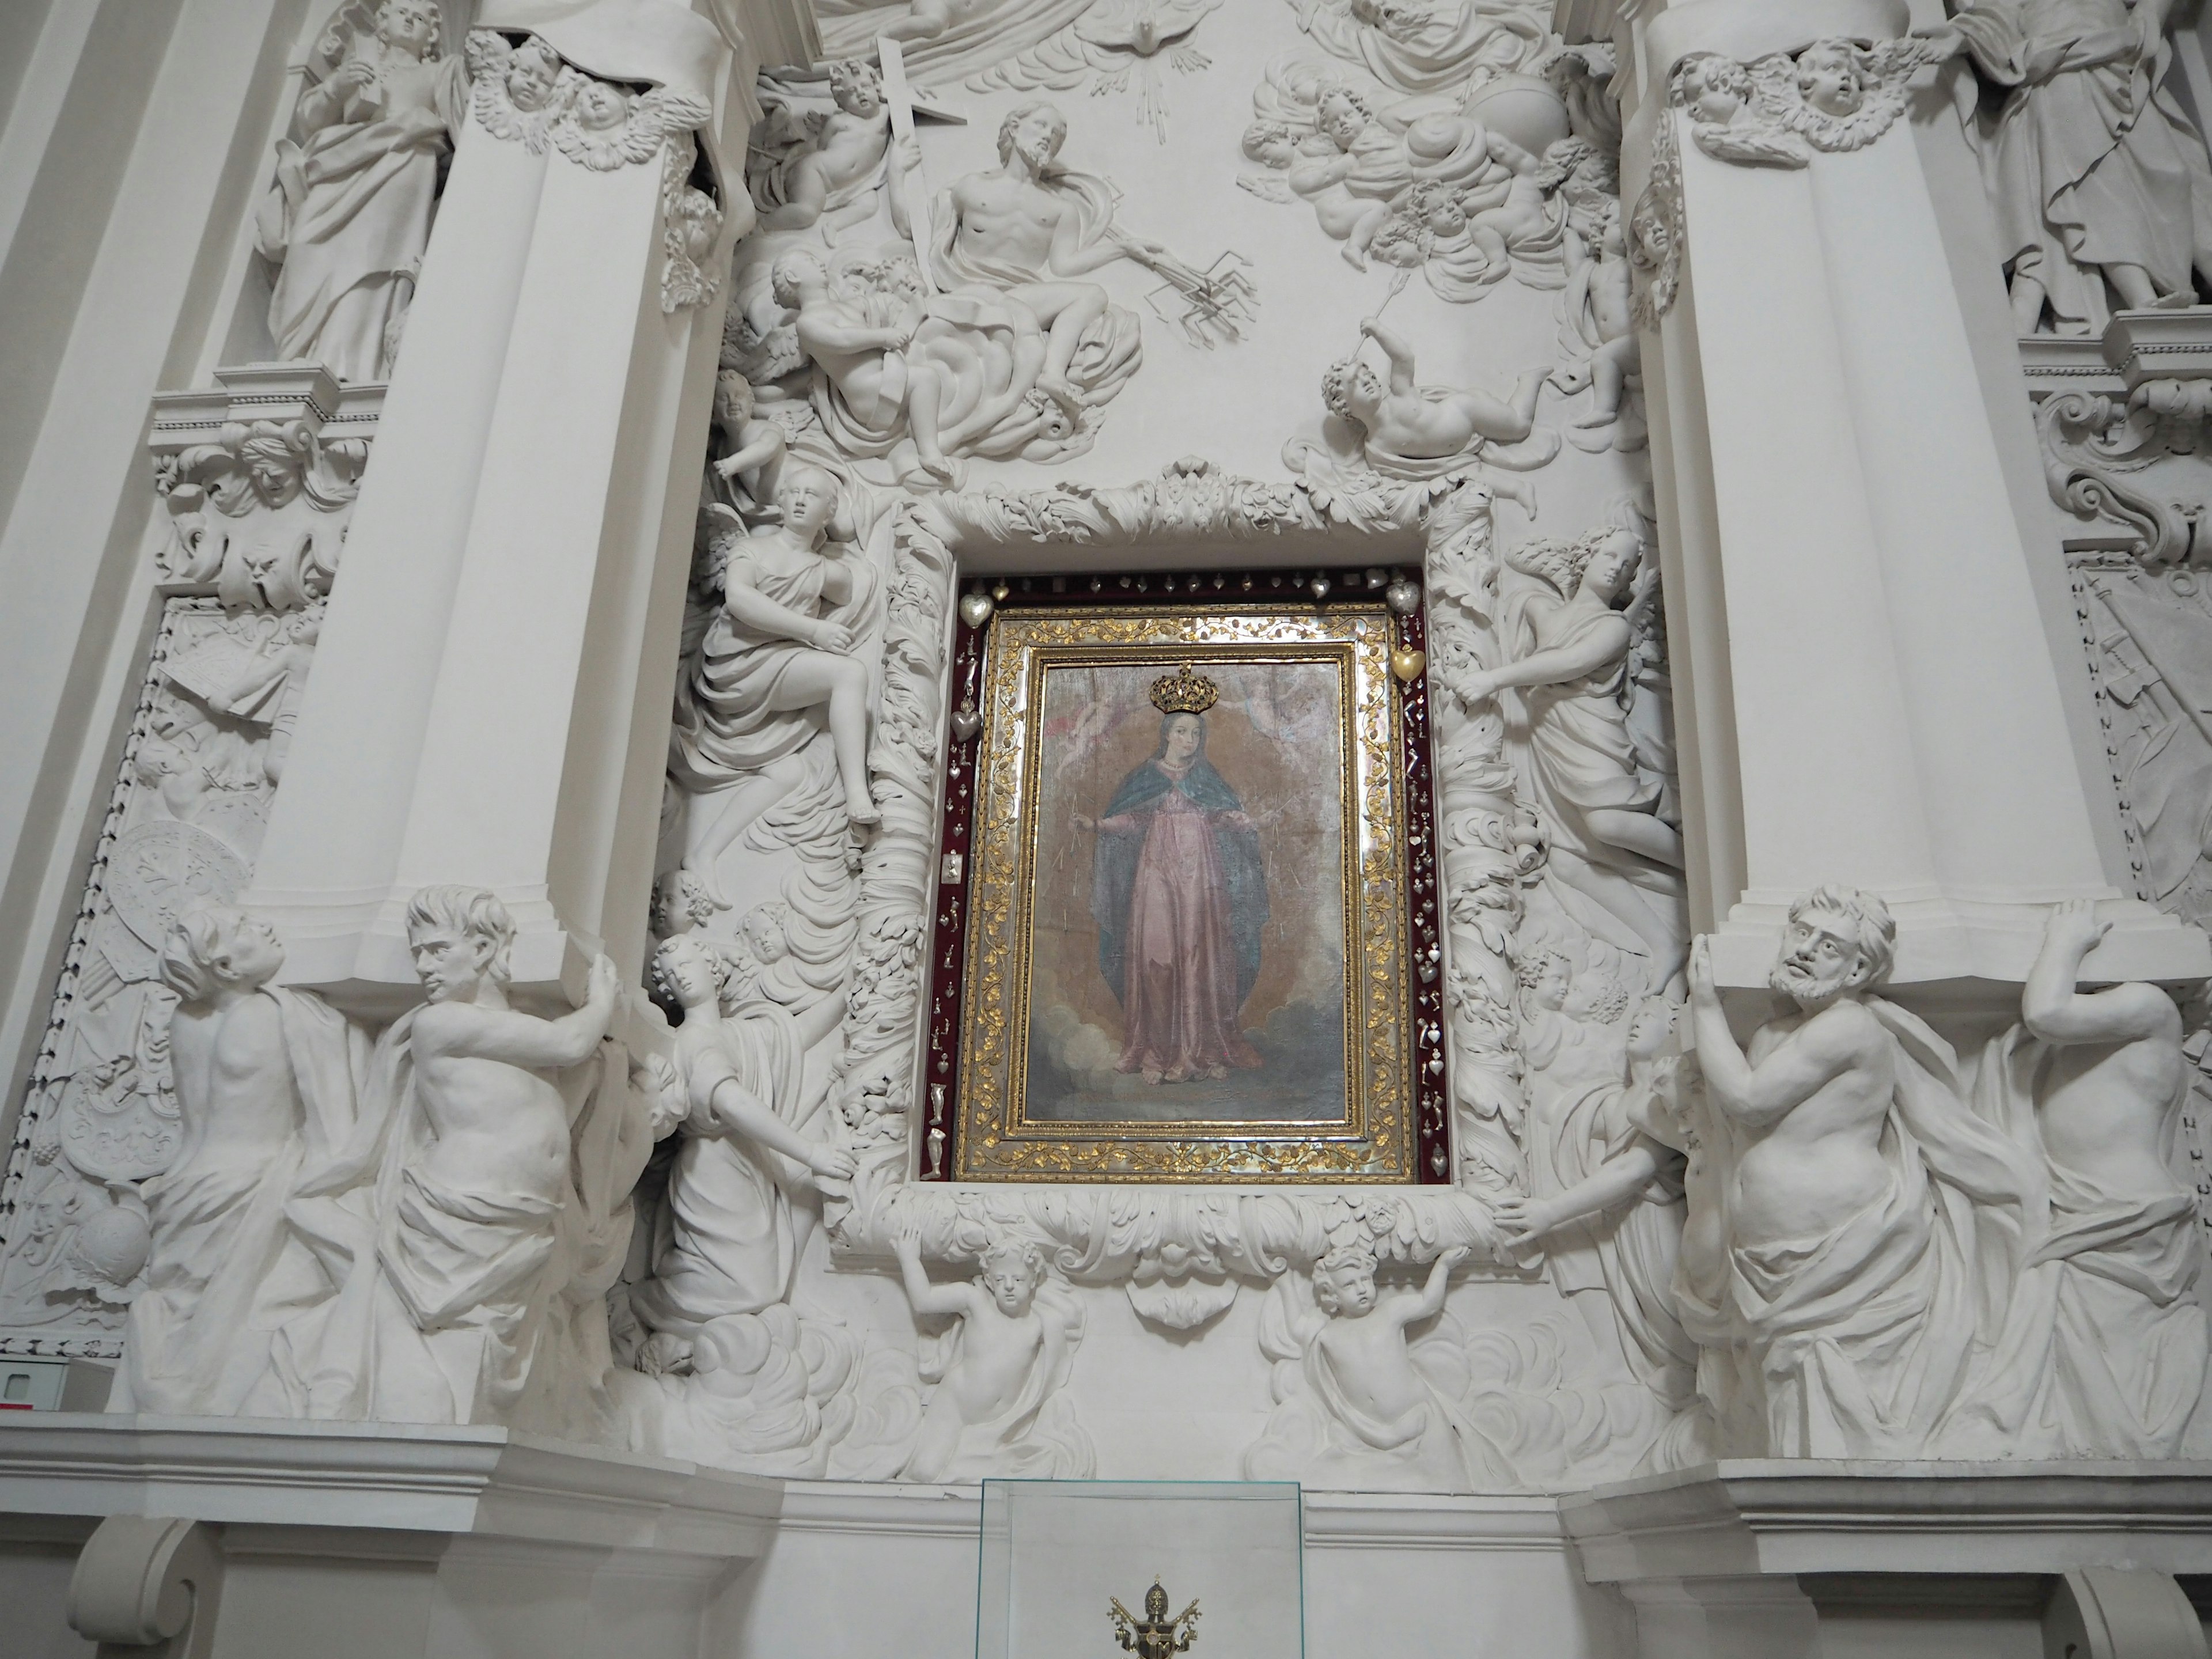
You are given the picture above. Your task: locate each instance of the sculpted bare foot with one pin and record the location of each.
(1061, 393)
(1354, 257)
(862, 811)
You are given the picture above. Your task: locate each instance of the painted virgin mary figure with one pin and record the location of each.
(1180, 897)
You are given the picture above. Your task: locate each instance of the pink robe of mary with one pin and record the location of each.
(1181, 982)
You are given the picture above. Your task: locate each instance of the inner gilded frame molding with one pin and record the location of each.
(1388, 889)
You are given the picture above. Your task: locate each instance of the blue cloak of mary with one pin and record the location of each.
(1113, 869)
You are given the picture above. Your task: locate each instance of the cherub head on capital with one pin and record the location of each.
(1838, 942)
(460, 938)
(1713, 88)
(1830, 77)
(1035, 132)
(532, 72)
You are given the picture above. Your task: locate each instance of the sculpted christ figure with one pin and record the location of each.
(1032, 228)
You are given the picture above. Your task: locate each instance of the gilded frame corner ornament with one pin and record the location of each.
(979, 1044)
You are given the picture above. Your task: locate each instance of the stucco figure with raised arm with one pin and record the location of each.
(1404, 422)
(266, 1079)
(844, 152)
(2129, 1344)
(727, 1244)
(444, 1306)
(997, 1407)
(1034, 228)
(1875, 1222)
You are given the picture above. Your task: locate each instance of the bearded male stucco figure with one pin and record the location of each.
(1876, 1225)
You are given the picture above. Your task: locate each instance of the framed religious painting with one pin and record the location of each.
(1187, 928)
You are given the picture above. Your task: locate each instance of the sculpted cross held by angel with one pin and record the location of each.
(1155, 1636)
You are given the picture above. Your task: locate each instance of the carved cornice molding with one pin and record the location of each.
(2107, 413)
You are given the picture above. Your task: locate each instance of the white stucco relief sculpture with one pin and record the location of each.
(523, 92)
(267, 1082)
(1392, 426)
(453, 1231)
(347, 215)
(804, 163)
(517, 89)
(1778, 111)
(1416, 47)
(996, 1406)
(1876, 1224)
(2112, 1328)
(1511, 177)
(729, 1368)
(246, 553)
(775, 668)
(1033, 228)
(1359, 1411)
(1112, 43)
(946, 41)
(1612, 862)
(1597, 336)
(991, 343)
(2100, 182)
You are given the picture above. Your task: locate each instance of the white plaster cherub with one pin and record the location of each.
(1407, 422)
(847, 147)
(757, 447)
(1361, 1411)
(996, 1408)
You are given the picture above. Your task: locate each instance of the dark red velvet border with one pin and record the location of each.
(948, 944)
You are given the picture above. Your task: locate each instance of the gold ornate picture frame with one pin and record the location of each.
(1192, 890)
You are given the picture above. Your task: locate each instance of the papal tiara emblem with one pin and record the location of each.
(1184, 693)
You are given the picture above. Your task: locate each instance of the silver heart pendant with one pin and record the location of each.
(975, 609)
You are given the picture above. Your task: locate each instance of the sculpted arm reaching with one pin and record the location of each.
(1789, 1074)
(2054, 1010)
(501, 1034)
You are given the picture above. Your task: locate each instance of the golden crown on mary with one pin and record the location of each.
(1184, 692)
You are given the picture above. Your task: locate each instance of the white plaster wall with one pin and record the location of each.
(859, 1570)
